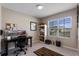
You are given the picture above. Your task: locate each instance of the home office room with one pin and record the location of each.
(39, 29)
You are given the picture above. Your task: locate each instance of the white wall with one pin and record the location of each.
(21, 20)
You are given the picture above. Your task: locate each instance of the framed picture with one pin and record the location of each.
(33, 26)
(9, 26)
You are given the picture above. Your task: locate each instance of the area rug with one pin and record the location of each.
(46, 52)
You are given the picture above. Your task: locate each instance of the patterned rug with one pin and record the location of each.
(46, 52)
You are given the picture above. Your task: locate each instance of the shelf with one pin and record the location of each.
(42, 36)
(41, 27)
(42, 31)
(41, 23)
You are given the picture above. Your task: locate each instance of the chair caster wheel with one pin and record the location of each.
(26, 48)
(25, 53)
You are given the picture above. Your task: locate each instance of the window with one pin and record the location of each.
(68, 26)
(60, 27)
(53, 27)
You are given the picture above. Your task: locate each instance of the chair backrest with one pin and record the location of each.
(21, 41)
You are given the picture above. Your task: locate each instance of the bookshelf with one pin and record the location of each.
(43, 31)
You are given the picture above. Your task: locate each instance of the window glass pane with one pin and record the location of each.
(68, 26)
(53, 23)
(53, 27)
(68, 22)
(53, 31)
(61, 27)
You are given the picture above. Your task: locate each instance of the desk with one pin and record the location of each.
(14, 40)
(7, 42)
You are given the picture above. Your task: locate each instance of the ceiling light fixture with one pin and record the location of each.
(40, 7)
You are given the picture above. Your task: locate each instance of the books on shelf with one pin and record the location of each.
(42, 30)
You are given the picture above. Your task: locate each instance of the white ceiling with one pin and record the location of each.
(49, 8)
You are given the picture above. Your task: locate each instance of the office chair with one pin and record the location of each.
(21, 44)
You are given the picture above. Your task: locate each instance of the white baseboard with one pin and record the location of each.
(71, 48)
(35, 41)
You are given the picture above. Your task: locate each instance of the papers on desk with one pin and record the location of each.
(8, 37)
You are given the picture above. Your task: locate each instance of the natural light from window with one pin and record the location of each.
(60, 27)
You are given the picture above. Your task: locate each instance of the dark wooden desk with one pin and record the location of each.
(7, 43)
(14, 40)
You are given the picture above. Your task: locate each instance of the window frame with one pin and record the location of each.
(58, 27)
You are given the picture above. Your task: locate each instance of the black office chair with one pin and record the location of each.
(21, 42)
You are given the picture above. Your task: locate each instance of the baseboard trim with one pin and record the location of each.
(71, 48)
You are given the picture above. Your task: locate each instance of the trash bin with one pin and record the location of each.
(48, 41)
(58, 43)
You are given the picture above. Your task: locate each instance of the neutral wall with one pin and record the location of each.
(22, 22)
(0, 27)
(72, 41)
(78, 26)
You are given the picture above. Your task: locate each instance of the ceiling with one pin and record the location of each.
(31, 9)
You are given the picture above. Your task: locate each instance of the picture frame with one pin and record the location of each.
(9, 26)
(33, 26)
